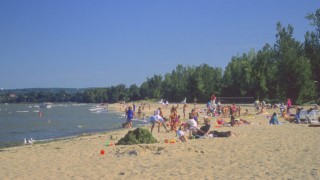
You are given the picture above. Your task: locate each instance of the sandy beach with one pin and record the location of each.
(259, 151)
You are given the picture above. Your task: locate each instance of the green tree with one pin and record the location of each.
(134, 93)
(195, 86)
(89, 96)
(211, 78)
(237, 79)
(144, 91)
(174, 84)
(294, 69)
(312, 48)
(264, 74)
(152, 88)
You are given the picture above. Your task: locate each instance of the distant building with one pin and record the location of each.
(12, 95)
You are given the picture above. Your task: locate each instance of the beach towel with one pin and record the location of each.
(221, 134)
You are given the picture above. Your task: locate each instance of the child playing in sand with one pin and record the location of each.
(181, 135)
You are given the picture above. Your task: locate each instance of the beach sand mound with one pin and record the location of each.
(138, 136)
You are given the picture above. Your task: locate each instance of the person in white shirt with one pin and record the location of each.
(157, 119)
(191, 125)
(181, 135)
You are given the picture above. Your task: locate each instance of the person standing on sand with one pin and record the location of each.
(173, 119)
(213, 99)
(184, 111)
(134, 109)
(289, 104)
(233, 109)
(139, 112)
(159, 112)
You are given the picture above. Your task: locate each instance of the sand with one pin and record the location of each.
(259, 151)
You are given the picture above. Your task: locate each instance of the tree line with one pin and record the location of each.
(286, 69)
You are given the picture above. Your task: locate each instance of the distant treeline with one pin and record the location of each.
(287, 69)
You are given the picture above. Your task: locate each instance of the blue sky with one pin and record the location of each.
(78, 44)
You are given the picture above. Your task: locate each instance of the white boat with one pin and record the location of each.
(99, 109)
(46, 105)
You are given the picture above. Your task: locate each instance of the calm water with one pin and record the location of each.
(19, 121)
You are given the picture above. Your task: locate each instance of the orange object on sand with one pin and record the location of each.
(166, 141)
(102, 152)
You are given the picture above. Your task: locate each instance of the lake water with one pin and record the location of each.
(19, 121)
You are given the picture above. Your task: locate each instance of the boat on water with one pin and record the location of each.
(99, 109)
(46, 105)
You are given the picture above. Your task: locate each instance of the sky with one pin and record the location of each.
(103, 43)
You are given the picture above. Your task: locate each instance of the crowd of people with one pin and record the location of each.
(189, 122)
(287, 111)
(197, 122)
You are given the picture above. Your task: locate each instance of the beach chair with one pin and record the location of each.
(312, 117)
(303, 117)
